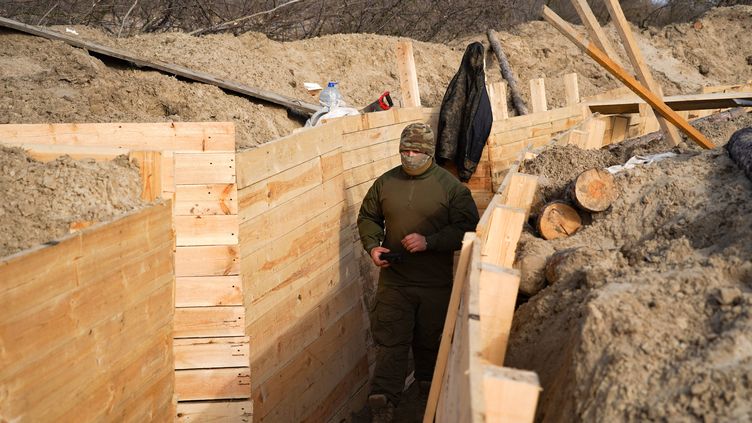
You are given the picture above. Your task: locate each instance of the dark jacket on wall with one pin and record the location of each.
(465, 118)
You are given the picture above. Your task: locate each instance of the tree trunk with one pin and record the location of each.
(558, 220)
(739, 149)
(506, 72)
(594, 190)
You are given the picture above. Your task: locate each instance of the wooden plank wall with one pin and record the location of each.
(86, 324)
(194, 165)
(301, 264)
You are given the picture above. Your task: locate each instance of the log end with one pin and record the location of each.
(558, 220)
(594, 190)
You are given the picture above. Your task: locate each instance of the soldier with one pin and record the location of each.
(418, 212)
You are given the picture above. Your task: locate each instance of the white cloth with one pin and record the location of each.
(640, 160)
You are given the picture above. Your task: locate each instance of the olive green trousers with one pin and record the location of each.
(404, 317)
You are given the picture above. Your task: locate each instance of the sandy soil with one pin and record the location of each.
(649, 319)
(45, 81)
(41, 200)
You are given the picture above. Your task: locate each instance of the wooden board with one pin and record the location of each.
(215, 412)
(203, 291)
(259, 163)
(203, 384)
(209, 230)
(498, 288)
(213, 260)
(268, 193)
(204, 353)
(183, 136)
(204, 168)
(510, 395)
(267, 226)
(206, 199)
(675, 102)
(408, 75)
(202, 322)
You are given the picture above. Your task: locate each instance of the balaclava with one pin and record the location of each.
(417, 137)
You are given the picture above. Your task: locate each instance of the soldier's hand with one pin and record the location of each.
(375, 253)
(414, 243)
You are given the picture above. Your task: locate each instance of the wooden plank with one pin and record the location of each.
(259, 163)
(595, 129)
(521, 192)
(346, 399)
(168, 68)
(331, 165)
(594, 29)
(204, 168)
(207, 384)
(168, 174)
(370, 171)
(619, 129)
(362, 156)
(625, 78)
(497, 92)
(183, 136)
(204, 353)
(215, 412)
(538, 95)
(460, 275)
(571, 88)
(203, 322)
(503, 233)
(212, 260)
(206, 199)
(263, 229)
(278, 337)
(293, 380)
(269, 193)
(150, 169)
(510, 395)
(533, 119)
(407, 74)
(203, 291)
(498, 293)
(676, 102)
(369, 137)
(638, 64)
(207, 230)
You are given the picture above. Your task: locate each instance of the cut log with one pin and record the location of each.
(594, 190)
(739, 149)
(558, 220)
(506, 72)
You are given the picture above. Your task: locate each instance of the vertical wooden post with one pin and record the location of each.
(595, 128)
(538, 95)
(407, 74)
(498, 288)
(497, 92)
(511, 395)
(503, 233)
(638, 63)
(150, 165)
(521, 191)
(571, 89)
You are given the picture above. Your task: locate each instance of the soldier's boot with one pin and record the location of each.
(382, 410)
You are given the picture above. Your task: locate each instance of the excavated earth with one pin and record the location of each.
(41, 200)
(648, 319)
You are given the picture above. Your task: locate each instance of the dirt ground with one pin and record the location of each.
(46, 81)
(41, 200)
(649, 319)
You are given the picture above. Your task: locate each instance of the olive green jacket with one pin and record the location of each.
(434, 204)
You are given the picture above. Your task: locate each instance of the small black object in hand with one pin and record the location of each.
(391, 257)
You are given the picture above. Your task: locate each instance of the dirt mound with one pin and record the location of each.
(41, 200)
(46, 81)
(649, 319)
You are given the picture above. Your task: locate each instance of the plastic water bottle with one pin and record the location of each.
(330, 96)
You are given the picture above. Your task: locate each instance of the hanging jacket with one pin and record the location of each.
(465, 118)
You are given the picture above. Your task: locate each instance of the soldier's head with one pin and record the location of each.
(417, 148)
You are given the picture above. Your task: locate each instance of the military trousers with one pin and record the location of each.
(403, 317)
